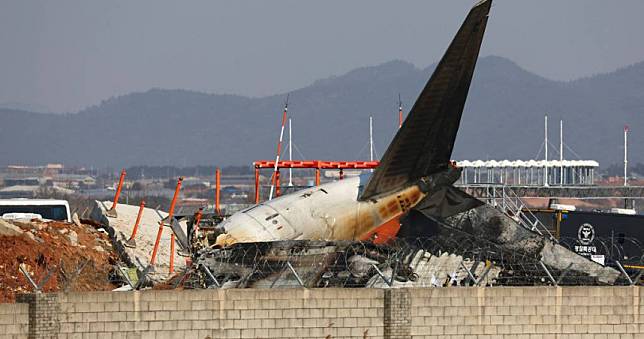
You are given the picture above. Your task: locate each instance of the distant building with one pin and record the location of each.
(19, 191)
(22, 181)
(73, 180)
(529, 173)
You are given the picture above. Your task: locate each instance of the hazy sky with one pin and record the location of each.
(66, 55)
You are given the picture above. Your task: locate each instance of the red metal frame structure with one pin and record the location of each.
(315, 164)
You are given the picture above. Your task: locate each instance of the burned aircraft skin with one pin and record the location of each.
(416, 163)
(487, 222)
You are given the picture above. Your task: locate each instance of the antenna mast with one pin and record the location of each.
(561, 169)
(399, 112)
(279, 149)
(625, 155)
(371, 139)
(290, 152)
(545, 164)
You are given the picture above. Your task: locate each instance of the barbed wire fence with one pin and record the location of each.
(437, 261)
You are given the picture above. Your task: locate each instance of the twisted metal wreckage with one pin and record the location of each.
(404, 225)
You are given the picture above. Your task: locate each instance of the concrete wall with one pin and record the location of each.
(548, 312)
(14, 320)
(512, 312)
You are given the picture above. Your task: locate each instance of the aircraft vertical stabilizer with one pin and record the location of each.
(423, 145)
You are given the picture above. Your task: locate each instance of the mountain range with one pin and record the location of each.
(503, 119)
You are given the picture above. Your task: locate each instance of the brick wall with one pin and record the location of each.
(534, 312)
(511, 312)
(14, 320)
(294, 313)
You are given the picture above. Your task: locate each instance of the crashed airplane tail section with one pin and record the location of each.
(423, 145)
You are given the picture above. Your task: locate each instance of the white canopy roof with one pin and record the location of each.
(529, 163)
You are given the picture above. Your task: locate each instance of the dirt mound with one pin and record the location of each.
(77, 258)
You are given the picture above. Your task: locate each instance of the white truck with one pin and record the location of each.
(45, 209)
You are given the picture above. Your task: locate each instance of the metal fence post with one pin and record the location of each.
(621, 268)
(548, 273)
(297, 276)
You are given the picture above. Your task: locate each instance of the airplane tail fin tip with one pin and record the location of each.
(424, 143)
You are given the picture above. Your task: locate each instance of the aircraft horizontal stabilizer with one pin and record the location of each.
(446, 202)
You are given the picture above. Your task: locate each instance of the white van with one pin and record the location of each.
(46, 209)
